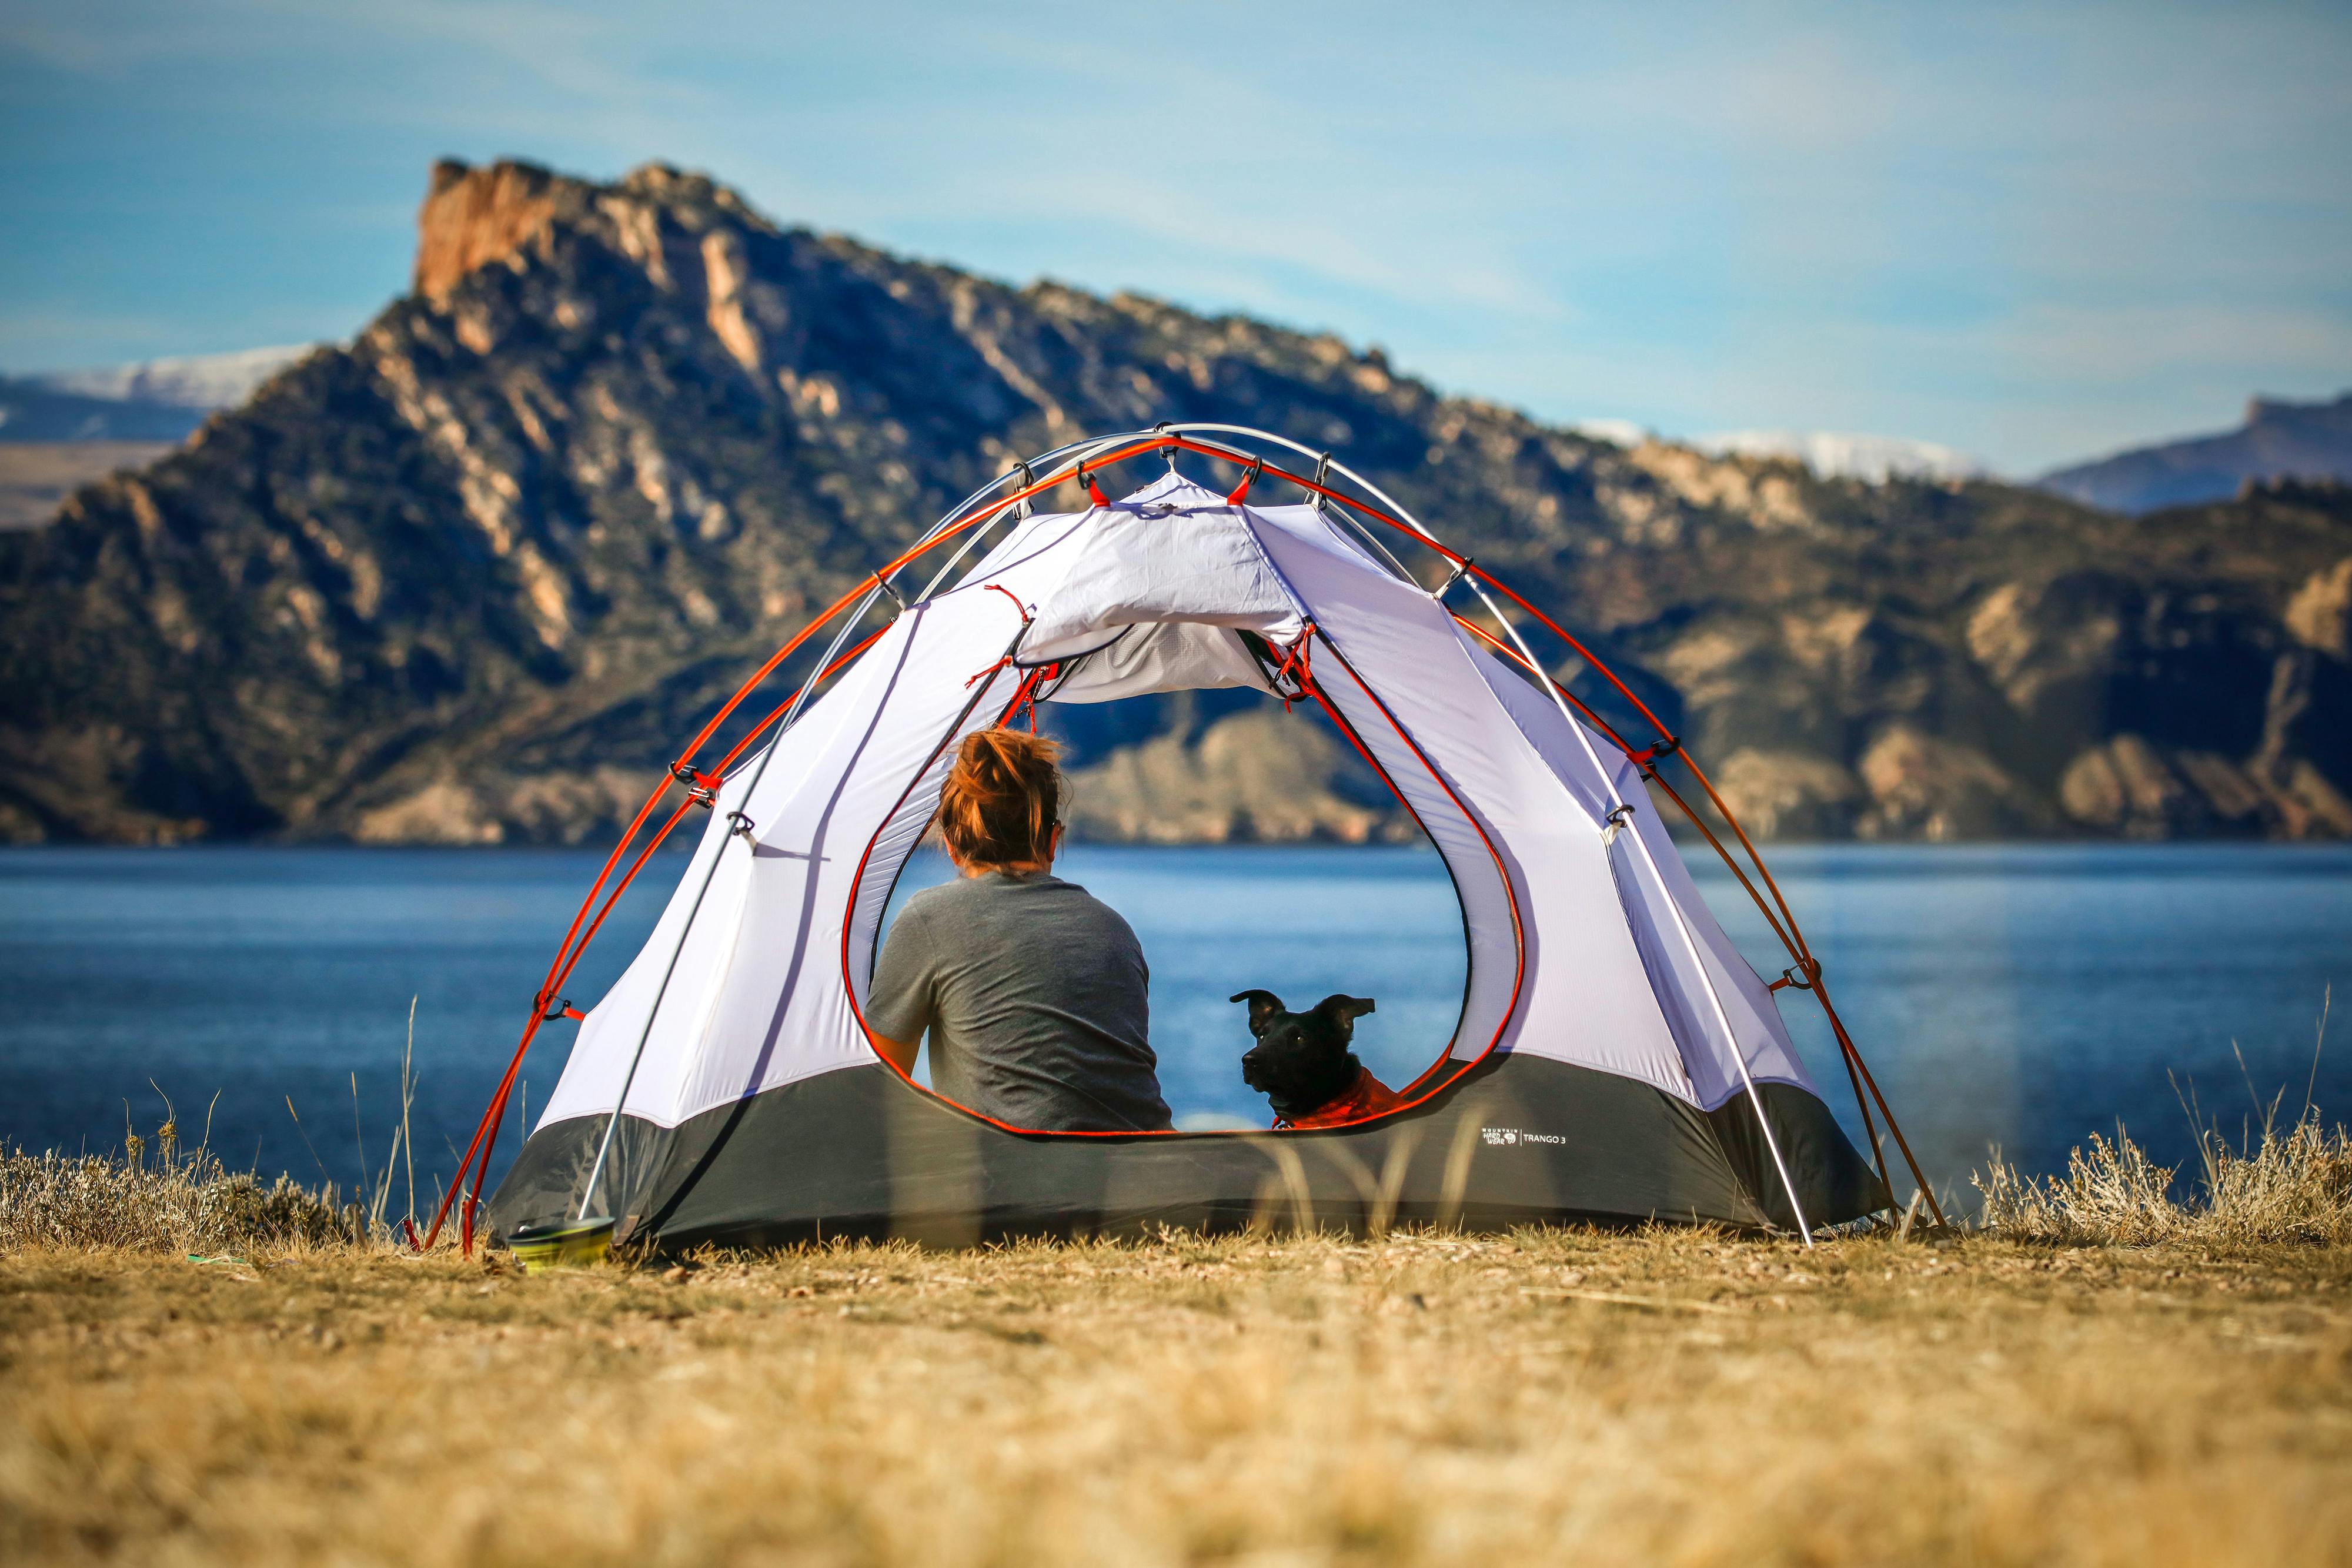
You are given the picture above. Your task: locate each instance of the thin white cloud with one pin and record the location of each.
(2011, 229)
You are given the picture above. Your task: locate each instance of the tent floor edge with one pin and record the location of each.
(1518, 1140)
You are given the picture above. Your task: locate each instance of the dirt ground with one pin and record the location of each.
(1673, 1397)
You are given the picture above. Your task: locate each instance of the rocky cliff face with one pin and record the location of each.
(472, 578)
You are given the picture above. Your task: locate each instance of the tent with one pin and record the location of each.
(1614, 1059)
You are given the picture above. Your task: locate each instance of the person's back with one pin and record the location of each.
(1033, 993)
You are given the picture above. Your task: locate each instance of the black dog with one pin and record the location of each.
(1301, 1062)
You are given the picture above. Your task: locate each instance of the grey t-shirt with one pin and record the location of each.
(1035, 993)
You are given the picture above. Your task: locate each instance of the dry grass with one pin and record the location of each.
(1670, 1397)
(173, 1202)
(2032, 1394)
(2293, 1185)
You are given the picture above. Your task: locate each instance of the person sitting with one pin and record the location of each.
(1034, 991)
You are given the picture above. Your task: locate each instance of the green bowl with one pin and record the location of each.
(565, 1244)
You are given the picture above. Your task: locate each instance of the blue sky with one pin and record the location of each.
(2033, 232)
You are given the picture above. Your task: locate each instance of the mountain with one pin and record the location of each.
(60, 429)
(154, 400)
(1840, 454)
(471, 576)
(200, 381)
(1830, 454)
(33, 411)
(2279, 440)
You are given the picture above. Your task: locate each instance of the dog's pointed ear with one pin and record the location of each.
(1264, 1005)
(1343, 1011)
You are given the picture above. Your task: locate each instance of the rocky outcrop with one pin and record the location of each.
(471, 577)
(1250, 778)
(473, 217)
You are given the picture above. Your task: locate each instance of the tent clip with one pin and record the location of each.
(1461, 570)
(1315, 498)
(1801, 975)
(701, 789)
(883, 583)
(1617, 821)
(1028, 482)
(1167, 430)
(1094, 491)
(737, 824)
(1649, 753)
(552, 1008)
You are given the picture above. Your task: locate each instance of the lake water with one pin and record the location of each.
(2018, 996)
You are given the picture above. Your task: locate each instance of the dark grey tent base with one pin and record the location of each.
(1520, 1140)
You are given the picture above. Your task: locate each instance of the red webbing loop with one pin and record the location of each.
(1026, 696)
(1025, 618)
(1297, 662)
(562, 1007)
(1241, 491)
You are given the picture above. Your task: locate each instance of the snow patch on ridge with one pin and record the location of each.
(200, 381)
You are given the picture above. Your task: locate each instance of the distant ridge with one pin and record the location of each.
(469, 578)
(152, 400)
(2279, 440)
(200, 381)
(1831, 454)
(1840, 455)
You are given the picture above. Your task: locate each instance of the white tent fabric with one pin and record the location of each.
(1582, 944)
